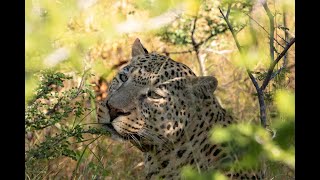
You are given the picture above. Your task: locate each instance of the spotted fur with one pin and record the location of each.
(166, 111)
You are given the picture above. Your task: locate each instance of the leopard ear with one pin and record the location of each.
(209, 83)
(138, 49)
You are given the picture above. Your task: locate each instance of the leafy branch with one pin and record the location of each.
(189, 27)
(260, 89)
(69, 105)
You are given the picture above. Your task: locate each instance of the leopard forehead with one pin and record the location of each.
(150, 70)
(159, 67)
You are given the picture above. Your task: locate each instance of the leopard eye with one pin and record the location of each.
(123, 77)
(126, 69)
(153, 95)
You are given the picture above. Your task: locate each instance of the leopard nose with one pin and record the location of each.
(114, 112)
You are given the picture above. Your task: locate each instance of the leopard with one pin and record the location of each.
(165, 110)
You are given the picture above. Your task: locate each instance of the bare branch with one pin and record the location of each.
(277, 72)
(231, 30)
(285, 61)
(286, 35)
(274, 63)
(263, 117)
(266, 30)
(228, 11)
(271, 21)
(194, 44)
(180, 52)
(196, 47)
(204, 41)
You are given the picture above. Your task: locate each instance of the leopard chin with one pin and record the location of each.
(114, 134)
(135, 139)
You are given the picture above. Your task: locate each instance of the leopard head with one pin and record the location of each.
(152, 99)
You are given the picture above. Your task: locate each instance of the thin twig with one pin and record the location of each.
(271, 21)
(86, 116)
(231, 30)
(194, 44)
(180, 52)
(102, 165)
(285, 62)
(277, 72)
(263, 117)
(80, 158)
(228, 11)
(81, 82)
(286, 35)
(266, 30)
(196, 47)
(204, 41)
(274, 63)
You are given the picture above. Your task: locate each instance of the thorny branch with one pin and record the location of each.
(260, 90)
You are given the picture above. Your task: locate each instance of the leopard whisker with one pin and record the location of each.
(151, 136)
(135, 140)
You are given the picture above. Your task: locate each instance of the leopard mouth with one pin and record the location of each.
(135, 139)
(114, 133)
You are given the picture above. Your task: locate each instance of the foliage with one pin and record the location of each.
(252, 144)
(208, 25)
(189, 173)
(63, 109)
(65, 37)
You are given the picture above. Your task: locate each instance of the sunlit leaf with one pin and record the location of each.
(218, 176)
(188, 172)
(285, 102)
(221, 135)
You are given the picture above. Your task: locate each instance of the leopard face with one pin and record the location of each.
(147, 101)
